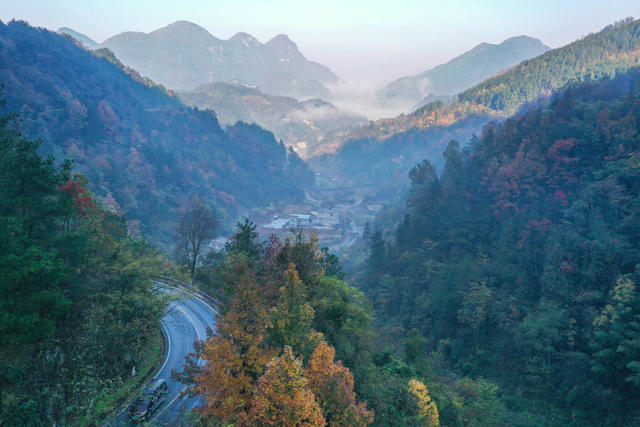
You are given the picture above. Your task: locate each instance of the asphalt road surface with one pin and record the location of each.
(186, 321)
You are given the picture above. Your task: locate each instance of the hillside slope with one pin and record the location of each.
(145, 153)
(300, 124)
(461, 72)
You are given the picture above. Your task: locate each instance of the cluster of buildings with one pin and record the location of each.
(337, 225)
(327, 224)
(318, 220)
(324, 222)
(218, 244)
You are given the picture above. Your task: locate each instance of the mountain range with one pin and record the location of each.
(144, 152)
(460, 73)
(184, 55)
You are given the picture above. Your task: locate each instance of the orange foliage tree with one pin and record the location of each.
(235, 358)
(333, 384)
(282, 396)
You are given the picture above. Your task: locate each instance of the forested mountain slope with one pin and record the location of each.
(144, 152)
(520, 262)
(461, 72)
(388, 148)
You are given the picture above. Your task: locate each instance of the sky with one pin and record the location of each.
(368, 42)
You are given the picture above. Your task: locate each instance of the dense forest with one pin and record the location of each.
(390, 147)
(77, 308)
(144, 152)
(519, 262)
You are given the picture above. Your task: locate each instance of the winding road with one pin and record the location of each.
(186, 321)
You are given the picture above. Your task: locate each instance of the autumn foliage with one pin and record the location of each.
(427, 410)
(79, 195)
(333, 385)
(234, 359)
(267, 365)
(282, 396)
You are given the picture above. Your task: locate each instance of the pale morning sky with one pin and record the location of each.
(363, 41)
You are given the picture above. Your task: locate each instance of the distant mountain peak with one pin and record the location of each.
(183, 25)
(245, 38)
(519, 41)
(183, 31)
(82, 38)
(280, 40)
(524, 39)
(283, 46)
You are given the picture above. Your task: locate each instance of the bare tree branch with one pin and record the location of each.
(197, 224)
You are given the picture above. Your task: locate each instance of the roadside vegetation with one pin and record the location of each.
(297, 345)
(78, 311)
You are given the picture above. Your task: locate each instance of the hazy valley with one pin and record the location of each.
(202, 231)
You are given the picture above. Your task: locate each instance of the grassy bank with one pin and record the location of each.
(114, 397)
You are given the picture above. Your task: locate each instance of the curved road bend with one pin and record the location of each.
(186, 321)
